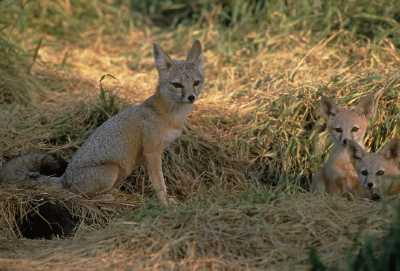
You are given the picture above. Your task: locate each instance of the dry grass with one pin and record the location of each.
(18, 203)
(256, 124)
(234, 234)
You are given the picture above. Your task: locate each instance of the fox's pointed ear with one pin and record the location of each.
(355, 150)
(195, 54)
(368, 104)
(391, 150)
(328, 108)
(163, 61)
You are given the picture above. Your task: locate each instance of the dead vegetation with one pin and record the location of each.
(265, 231)
(240, 171)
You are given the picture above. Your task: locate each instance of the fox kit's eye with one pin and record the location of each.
(177, 85)
(354, 129)
(339, 130)
(380, 172)
(196, 83)
(364, 172)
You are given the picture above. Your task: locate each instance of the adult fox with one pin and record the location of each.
(136, 135)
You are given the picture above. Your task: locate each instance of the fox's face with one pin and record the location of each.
(346, 124)
(375, 170)
(180, 81)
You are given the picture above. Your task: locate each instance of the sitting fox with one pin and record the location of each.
(138, 134)
(338, 175)
(378, 172)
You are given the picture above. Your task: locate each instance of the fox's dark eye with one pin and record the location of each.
(339, 130)
(364, 172)
(380, 172)
(196, 83)
(354, 129)
(177, 85)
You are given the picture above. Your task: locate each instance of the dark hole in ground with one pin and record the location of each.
(47, 220)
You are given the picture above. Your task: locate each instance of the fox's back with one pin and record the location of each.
(121, 139)
(118, 140)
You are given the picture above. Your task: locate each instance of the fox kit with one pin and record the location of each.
(140, 133)
(378, 172)
(338, 175)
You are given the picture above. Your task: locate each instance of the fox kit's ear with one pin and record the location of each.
(195, 54)
(368, 104)
(355, 150)
(328, 107)
(163, 61)
(391, 150)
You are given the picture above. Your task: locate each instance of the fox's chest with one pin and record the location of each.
(170, 135)
(340, 167)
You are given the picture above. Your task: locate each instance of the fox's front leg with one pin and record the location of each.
(153, 164)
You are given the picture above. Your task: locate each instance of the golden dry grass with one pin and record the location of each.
(256, 126)
(204, 235)
(19, 202)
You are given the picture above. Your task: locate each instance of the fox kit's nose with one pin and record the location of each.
(344, 141)
(370, 185)
(191, 98)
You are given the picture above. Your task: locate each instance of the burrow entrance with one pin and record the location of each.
(47, 220)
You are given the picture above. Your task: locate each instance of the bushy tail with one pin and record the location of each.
(34, 167)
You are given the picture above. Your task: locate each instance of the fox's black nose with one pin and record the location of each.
(344, 141)
(191, 98)
(370, 185)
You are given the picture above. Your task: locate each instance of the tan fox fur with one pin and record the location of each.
(378, 172)
(140, 133)
(338, 175)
